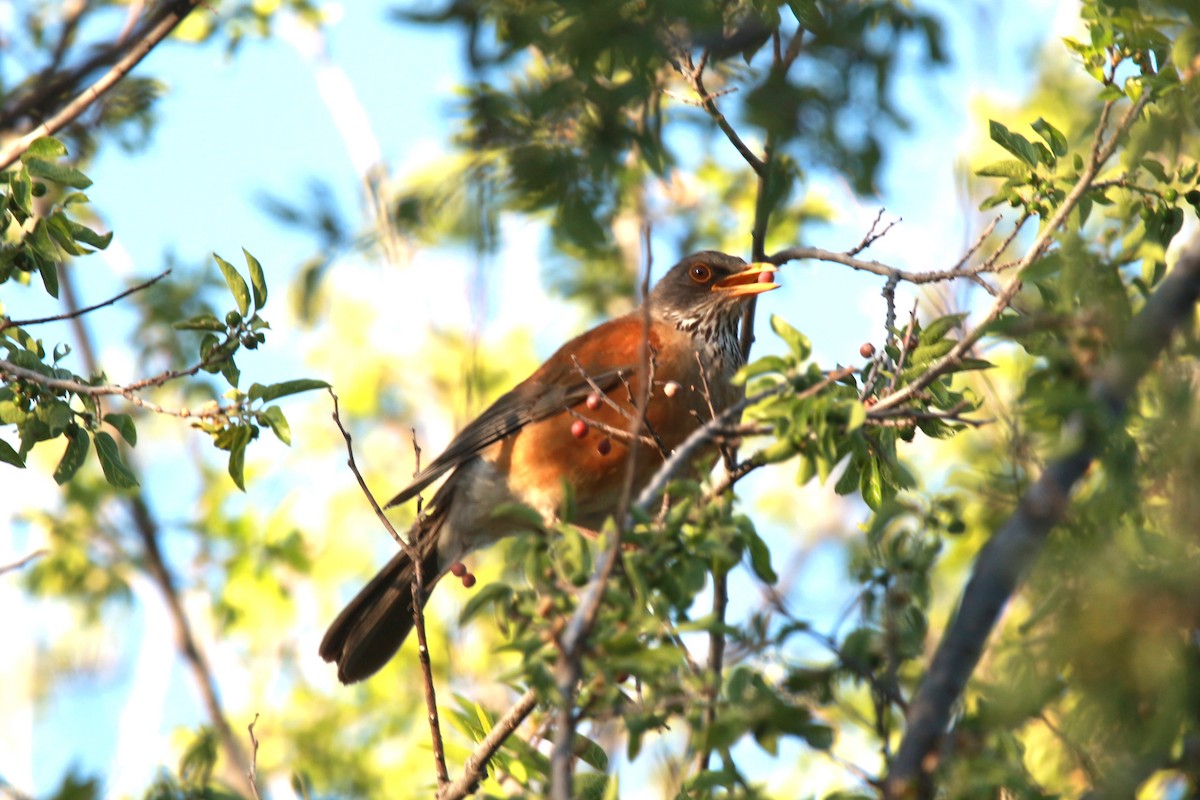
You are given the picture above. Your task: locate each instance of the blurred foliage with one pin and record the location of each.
(589, 117)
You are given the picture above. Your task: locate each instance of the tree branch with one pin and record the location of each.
(1007, 557)
(418, 590)
(1101, 151)
(6, 323)
(173, 13)
(477, 762)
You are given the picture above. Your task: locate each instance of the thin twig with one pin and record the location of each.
(1101, 151)
(5, 324)
(21, 562)
(693, 73)
(418, 590)
(173, 13)
(253, 774)
(1008, 556)
(477, 762)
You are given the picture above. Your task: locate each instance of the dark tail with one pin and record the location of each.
(372, 627)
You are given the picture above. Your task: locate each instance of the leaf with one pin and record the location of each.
(1014, 143)
(1052, 135)
(124, 424)
(1156, 169)
(807, 14)
(760, 558)
(115, 471)
(858, 415)
(67, 176)
(83, 233)
(492, 594)
(45, 147)
(258, 281)
(938, 328)
(796, 341)
(589, 752)
(1005, 168)
(871, 485)
(49, 273)
(237, 284)
(239, 438)
(203, 322)
(277, 390)
(10, 456)
(78, 444)
(279, 424)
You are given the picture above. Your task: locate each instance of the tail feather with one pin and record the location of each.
(376, 622)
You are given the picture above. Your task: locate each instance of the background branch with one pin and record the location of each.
(1007, 557)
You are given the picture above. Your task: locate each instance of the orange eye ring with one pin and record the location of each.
(700, 273)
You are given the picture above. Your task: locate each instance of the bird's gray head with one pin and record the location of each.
(705, 292)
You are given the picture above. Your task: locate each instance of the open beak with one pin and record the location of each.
(754, 279)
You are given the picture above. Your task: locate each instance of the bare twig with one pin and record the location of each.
(873, 234)
(693, 73)
(5, 324)
(1007, 557)
(418, 590)
(24, 560)
(477, 762)
(129, 391)
(253, 774)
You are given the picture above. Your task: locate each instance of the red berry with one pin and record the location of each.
(579, 429)
(605, 446)
(458, 569)
(867, 350)
(468, 580)
(766, 277)
(593, 401)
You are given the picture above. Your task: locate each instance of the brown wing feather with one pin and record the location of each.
(553, 387)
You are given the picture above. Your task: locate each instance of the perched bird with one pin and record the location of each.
(531, 442)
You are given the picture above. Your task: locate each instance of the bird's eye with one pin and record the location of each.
(700, 273)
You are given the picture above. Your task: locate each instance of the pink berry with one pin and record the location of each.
(671, 388)
(593, 401)
(579, 429)
(867, 350)
(468, 580)
(458, 569)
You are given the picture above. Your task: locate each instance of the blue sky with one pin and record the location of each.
(231, 129)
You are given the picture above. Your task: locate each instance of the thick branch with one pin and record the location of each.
(1007, 557)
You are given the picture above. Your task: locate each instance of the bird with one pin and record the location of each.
(556, 432)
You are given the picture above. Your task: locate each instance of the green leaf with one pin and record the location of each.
(258, 281)
(589, 752)
(115, 471)
(49, 272)
(203, 322)
(938, 328)
(1014, 143)
(858, 415)
(10, 456)
(871, 485)
(45, 147)
(83, 233)
(492, 594)
(760, 558)
(1156, 169)
(1005, 168)
(807, 14)
(1052, 135)
(78, 444)
(279, 424)
(67, 176)
(796, 341)
(124, 424)
(237, 284)
(278, 390)
(239, 438)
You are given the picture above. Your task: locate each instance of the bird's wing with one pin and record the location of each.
(536, 398)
